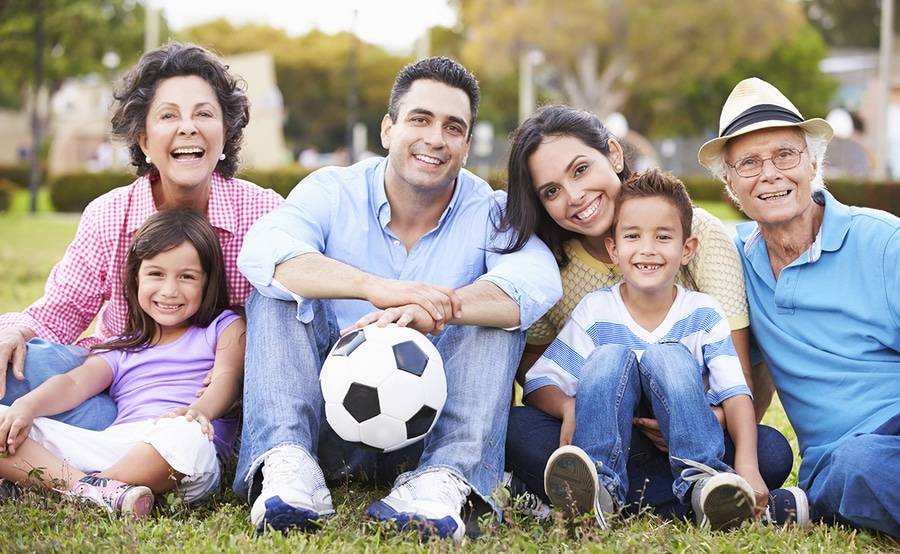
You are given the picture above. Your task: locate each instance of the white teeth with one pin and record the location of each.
(589, 211)
(647, 267)
(769, 195)
(168, 307)
(193, 150)
(427, 159)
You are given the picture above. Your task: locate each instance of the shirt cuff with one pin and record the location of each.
(20, 319)
(537, 383)
(716, 398)
(304, 310)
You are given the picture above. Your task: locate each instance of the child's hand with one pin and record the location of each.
(193, 414)
(15, 424)
(567, 430)
(650, 428)
(752, 476)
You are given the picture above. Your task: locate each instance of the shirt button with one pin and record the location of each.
(396, 243)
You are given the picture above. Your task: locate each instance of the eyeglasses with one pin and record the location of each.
(751, 166)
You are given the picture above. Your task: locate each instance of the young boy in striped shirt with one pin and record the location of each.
(648, 337)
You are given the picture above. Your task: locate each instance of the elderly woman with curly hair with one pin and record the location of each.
(182, 115)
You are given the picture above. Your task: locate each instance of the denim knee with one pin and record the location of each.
(671, 366)
(605, 364)
(775, 456)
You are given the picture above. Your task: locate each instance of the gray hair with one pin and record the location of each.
(815, 146)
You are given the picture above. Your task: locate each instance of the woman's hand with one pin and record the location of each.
(650, 428)
(12, 353)
(15, 424)
(193, 414)
(567, 429)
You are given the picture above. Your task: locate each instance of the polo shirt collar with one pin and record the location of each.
(219, 212)
(836, 222)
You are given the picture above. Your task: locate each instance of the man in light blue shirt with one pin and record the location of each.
(409, 239)
(823, 286)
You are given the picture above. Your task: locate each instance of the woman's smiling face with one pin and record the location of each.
(577, 184)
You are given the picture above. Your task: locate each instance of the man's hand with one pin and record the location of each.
(567, 429)
(650, 428)
(193, 414)
(12, 351)
(441, 303)
(411, 315)
(15, 423)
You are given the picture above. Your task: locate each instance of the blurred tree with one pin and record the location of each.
(599, 53)
(693, 107)
(312, 75)
(76, 34)
(848, 23)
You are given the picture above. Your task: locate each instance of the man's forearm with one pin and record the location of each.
(485, 304)
(314, 275)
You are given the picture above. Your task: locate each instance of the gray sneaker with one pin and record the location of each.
(521, 500)
(571, 484)
(9, 490)
(721, 500)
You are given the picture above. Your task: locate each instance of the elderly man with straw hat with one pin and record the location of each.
(823, 285)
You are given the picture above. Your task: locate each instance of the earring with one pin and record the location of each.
(147, 159)
(222, 156)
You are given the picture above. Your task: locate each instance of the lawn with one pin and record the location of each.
(44, 522)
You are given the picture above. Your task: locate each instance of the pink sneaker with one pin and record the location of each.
(115, 496)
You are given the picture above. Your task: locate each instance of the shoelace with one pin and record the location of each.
(449, 490)
(289, 468)
(695, 470)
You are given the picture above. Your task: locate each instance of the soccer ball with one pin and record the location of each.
(384, 387)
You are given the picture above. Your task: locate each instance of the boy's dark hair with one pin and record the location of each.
(162, 232)
(134, 94)
(441, 69)
(657, 183)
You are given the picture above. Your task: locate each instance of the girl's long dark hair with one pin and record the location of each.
(525, 215)
(161, 232)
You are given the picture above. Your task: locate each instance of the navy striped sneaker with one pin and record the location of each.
(787, 506)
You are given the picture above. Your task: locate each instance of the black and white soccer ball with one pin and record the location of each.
(384, 387)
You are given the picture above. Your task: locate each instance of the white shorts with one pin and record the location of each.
(180, 443)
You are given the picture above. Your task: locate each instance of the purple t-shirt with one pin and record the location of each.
(151, 382)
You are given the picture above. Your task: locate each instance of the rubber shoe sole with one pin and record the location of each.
(137, 502)
(727, 501)
(281, 516)
(571, 484)
(445, 527)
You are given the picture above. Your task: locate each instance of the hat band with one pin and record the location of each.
(761, 112)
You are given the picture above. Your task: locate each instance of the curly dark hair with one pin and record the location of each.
(135, 92)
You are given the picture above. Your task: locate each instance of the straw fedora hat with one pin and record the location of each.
(755, 104)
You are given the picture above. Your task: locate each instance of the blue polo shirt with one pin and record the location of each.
(829, 328)
(343, 213)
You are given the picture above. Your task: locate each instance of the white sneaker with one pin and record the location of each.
(432, 502)
(721, 500)
(571, 484)
(294, 495)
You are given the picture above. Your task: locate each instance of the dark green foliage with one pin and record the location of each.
(282, 180)
(17, 174)
(5, 192)
(74, 191)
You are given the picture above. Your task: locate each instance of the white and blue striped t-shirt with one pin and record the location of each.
(696, 320)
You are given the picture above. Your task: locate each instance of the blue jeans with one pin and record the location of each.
(860, 483)
(637, 470)
(283, 402)
(43, 360)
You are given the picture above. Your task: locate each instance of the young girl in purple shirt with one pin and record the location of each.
(170, 431)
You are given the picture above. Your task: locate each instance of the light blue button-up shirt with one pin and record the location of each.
(829, 327)
(343, 213)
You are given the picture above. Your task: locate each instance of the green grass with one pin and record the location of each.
(45, 522)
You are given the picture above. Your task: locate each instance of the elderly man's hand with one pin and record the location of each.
(12, 352)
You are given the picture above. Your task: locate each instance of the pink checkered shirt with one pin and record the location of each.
(88, 279)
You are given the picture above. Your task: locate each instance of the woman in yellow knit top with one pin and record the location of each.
(565, 171)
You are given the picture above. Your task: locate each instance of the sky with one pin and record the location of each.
(393, 24)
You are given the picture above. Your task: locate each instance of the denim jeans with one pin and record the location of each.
(43, 360)
(283, 402)
(642, 474)
(860, 482)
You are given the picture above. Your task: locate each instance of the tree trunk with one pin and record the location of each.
(36, 129)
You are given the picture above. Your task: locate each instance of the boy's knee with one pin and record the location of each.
(671, 365)
(608, 361)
